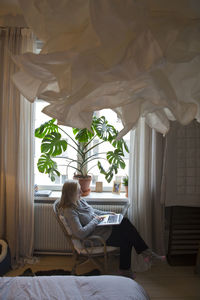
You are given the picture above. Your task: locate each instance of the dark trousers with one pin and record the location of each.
(126, 236)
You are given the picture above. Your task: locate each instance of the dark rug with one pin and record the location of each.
(58, 272)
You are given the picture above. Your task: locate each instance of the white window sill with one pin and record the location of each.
(58, 188)
(92, 197)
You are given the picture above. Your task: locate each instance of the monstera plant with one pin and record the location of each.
(54, 145)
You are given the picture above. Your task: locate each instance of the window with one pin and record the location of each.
(112, 118)
(43, 181)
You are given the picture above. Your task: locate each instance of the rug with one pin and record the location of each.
(57, 272)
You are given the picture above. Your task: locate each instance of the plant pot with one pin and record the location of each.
(126, 189)
(84, 183)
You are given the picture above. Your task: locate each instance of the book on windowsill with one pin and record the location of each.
(42, 193)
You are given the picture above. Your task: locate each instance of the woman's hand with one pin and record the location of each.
(99, 218)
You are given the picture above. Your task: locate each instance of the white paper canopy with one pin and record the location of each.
(128, 55)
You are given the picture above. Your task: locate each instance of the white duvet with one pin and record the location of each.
(71, 288)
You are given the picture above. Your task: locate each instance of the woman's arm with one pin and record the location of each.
(102, 212)
(77, 229)
(97, 211)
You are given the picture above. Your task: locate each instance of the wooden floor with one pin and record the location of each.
(162, 282)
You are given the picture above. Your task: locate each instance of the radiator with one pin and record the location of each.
(48, 236)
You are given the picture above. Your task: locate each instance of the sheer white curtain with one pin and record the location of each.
(147, 63)
(146, 211)
(16, 161)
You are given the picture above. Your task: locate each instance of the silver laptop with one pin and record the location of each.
(111, 220)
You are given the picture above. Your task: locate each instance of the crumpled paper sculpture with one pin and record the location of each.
(116, 54)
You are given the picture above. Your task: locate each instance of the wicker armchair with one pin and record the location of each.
(85, 248)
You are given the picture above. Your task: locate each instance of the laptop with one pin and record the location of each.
(111, 220)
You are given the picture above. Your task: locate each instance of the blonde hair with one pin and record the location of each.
(69, 193)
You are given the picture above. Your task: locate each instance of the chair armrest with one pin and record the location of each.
(90, 241)
(96, 237)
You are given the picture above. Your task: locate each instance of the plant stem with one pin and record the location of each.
(94, 146)
(93, 159)
(87, 159)
(90, 140)
(76, 149)
(79, 170)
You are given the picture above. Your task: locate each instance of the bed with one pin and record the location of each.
(71, 288)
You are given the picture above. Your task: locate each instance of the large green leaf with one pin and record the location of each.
(121, 145)
(46, 128)
(104, 130)
(48, 166)
(113, 169)
(45, 163)
(82, 135)
(115, 158)
(52, 144)
(110, 173)
(101, 169)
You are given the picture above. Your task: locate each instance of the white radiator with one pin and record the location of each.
(48, 236)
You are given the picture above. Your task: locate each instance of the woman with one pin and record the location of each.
(83, 220)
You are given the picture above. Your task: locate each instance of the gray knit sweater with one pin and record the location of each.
(82, 222)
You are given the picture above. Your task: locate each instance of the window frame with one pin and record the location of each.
(58, 187)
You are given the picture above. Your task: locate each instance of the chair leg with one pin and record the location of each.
(78, 263)
(105, 263)
(98, 265)
(73, 272)
(102, 267)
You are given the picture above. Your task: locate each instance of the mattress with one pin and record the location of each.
(71, 288)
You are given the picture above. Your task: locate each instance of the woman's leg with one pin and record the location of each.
(131, 233)
(125, 236)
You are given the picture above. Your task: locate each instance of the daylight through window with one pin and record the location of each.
(43, 180)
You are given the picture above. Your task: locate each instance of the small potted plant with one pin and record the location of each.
(125, 183)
